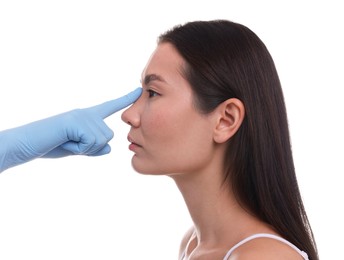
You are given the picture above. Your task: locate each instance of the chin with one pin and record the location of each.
(146, 169)
(143, 169)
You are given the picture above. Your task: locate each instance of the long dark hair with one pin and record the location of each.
(227, 60)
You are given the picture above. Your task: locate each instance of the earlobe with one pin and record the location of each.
(230, 115)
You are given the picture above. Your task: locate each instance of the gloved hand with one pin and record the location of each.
(80, 131)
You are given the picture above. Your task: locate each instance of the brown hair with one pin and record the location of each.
(227, 60)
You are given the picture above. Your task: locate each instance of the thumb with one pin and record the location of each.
(110, 107)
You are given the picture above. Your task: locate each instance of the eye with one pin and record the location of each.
(152, 93)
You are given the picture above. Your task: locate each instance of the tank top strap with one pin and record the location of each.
(263, 235)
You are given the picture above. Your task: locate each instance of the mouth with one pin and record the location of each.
(133, 145)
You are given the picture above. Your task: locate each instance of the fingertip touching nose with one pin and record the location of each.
(131, 115)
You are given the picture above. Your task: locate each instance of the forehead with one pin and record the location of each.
(164, 60)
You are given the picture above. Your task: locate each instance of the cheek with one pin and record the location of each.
(174, 142)
(160, 134)
(162, 129)
(157, 120)
(194, 147)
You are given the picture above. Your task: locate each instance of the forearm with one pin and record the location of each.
(25, 143)
(10, 153)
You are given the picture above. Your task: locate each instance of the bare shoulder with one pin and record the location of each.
(185, 240)
(265, 248)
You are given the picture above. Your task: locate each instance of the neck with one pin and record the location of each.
(217, 216)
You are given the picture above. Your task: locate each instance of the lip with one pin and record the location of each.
(133, 145)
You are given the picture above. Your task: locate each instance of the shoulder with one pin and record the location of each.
(186, 238)
(265, 248)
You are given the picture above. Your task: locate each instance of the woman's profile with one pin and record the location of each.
(212, 117)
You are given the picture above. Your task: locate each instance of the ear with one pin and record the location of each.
(229, 116)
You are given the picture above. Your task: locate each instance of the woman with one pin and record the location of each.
(212, 117)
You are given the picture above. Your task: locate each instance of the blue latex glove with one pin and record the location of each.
(80, 131)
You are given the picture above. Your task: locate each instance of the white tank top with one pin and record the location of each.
(303, 254)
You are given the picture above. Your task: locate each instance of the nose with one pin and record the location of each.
(131, 115)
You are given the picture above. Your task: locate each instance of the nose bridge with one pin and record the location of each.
(132, 114)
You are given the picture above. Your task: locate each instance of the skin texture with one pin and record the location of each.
(170, 136)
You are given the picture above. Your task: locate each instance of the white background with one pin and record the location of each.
(60, 55)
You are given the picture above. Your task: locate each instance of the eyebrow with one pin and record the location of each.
(152, 77)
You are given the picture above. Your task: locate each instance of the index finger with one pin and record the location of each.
(110, 107)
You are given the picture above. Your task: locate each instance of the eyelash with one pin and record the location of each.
(152, 93)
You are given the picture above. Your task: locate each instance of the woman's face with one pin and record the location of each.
(168, 134)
